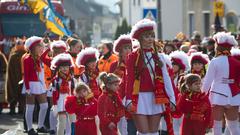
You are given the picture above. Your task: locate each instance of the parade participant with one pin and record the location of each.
(84, 105)
(107, 58)
(63, 84)
(198, 62)
(122, 47)
(223, 87)
(75, 47)
(149, 85)
(169, 47)
(88, 58)
(56, 47)
(3, 68)
(110, 107)
(195, 106)
(34, 83)
(14, 75)
(209, 43)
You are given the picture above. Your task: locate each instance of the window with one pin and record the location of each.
(232, 22)
(134, 2)
(139, 2)
(206, 24)
(191, 23)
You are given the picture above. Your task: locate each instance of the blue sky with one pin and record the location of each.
(110, 4)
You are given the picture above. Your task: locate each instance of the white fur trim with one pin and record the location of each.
(122, 37)
(57, 44)
(59, 57)
(141, 24)
(223, 37)
(84, 52)
(167, 59)
(235, 52)
(29, 41)
(182, 56)
(200, 54)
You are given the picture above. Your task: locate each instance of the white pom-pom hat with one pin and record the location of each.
(32, 41)
(62, 59)
(58, 44)
(180, 58)
(167, 59)
(225, 39)
(123, 40)
(199, 56)
(85, 55)
(142, 26)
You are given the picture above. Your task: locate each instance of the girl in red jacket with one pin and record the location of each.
(34, 83)
(195, 106)
(63, 85)
(110, 107)
(84, 105)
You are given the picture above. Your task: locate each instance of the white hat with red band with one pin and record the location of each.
(180, 58)
(85, 55)
(32, 41)
(225, 39)
(63, 58)
(141, 26)
(58, 44)
(123, 40)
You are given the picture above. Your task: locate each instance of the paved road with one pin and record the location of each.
(13, 124)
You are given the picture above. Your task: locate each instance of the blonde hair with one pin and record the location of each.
(81, 86)
(107, 78)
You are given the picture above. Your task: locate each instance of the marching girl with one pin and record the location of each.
(110, 107)
(75, 47)
(180, 65)
(34, 83)
(88, 58)
(235, 52)
(56, 47)
(149, 85)
(84, 105)
(198, 62)
(195, 106)
(223, 87)
(122, 47)
(63, 84)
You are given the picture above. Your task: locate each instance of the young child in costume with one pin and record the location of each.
(221, 82)
(34, 83)
(195, 107)
(84, 105)
(198, 62)
(181, 66)
(122, 47)
(110, 107)
(63, 84)
(88, 58)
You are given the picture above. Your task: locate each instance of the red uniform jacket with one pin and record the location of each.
(146, 84)
(110, 109)
(197, 113)
(85, 110)
(30, 69)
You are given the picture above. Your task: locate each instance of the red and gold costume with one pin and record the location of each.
(110, 109)
(85, 110)
(197, 113)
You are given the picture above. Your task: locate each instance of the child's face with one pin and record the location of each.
(196, 86)
(197, 66)
(83, 93)
(175, 68)
(64, 69)
(38, 50)
(76, 48)
(114, 86)
(92, 65)
(148, 39)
